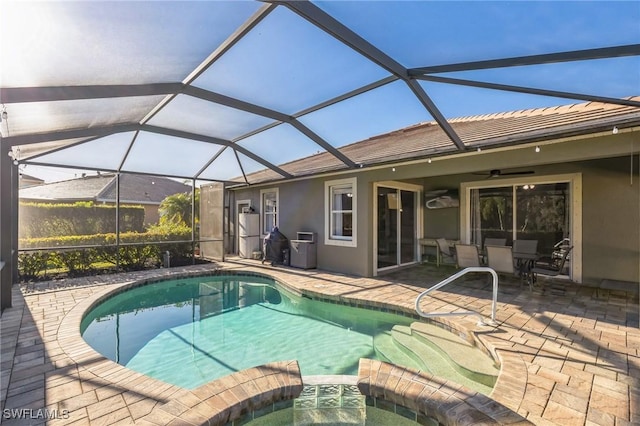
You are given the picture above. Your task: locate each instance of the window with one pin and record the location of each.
(340, 212)
(269, 209)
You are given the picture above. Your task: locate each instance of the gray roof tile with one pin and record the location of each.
(428, 139)
(133, 189)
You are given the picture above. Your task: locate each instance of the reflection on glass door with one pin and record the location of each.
(396, 226)
(491, 214)
(542, 214)
(524, 211)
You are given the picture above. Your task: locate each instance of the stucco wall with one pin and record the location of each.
(611, 220)
(610, 201)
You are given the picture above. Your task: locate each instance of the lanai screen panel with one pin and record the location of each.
(287, 64)
(423, 33)
(387, 108)
(281, 145)
(86, 43)
(101, 154)
(55, 116)
(168, 155)
(207, 118)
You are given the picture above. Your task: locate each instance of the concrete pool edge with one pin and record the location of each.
(509, 388)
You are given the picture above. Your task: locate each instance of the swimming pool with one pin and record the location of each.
(190, 331)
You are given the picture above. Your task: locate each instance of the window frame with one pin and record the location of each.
(329, 188)
(264, 213)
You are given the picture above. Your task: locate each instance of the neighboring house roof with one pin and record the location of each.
(427, 139)
(102, 188)
(142, 188)
(27, 181)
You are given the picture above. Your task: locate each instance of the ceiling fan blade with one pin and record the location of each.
(525, 172)
(495, 173)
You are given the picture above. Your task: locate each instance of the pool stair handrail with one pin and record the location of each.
(452, 278)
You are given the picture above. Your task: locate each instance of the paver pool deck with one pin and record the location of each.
(570, 353)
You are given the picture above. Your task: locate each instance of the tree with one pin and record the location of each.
(176, 209)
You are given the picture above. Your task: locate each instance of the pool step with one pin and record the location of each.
(429, 359)
(388, 350)
(436, 360)
(465, 358)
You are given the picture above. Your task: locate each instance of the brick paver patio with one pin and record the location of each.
(570, 354)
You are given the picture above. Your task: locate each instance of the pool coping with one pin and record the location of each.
(194, 405)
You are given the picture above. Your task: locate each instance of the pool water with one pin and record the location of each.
(190, 331)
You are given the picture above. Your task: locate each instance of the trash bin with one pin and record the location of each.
(304, 251)
(274, 247)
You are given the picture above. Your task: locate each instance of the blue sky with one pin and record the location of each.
(288, 65)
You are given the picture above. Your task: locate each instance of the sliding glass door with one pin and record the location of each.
(396, 226)
(522, 211)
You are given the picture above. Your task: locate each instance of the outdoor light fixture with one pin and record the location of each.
(393, 169)
(537, 148)
(479, 149)
(615, 130)
(429, 160)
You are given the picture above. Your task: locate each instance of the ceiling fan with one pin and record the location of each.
(498, 173)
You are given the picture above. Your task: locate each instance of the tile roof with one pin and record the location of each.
(133, 188)
(427, 139)
(142, 188)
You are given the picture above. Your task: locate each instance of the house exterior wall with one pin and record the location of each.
(611, 220)
(610, 202)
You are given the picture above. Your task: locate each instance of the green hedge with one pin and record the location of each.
(39, 220)
(134, 254)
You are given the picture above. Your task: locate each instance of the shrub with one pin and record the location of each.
(134, 252)
(32, 264)
(83, 218)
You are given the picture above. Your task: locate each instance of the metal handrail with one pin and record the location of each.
(453, 278)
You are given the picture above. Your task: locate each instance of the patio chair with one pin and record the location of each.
(495, 242)
(444, 252)
(467, 255)
(491, 242)
(552, 268)
(500, 259)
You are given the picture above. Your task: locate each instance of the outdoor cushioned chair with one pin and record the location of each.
(467, 255)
